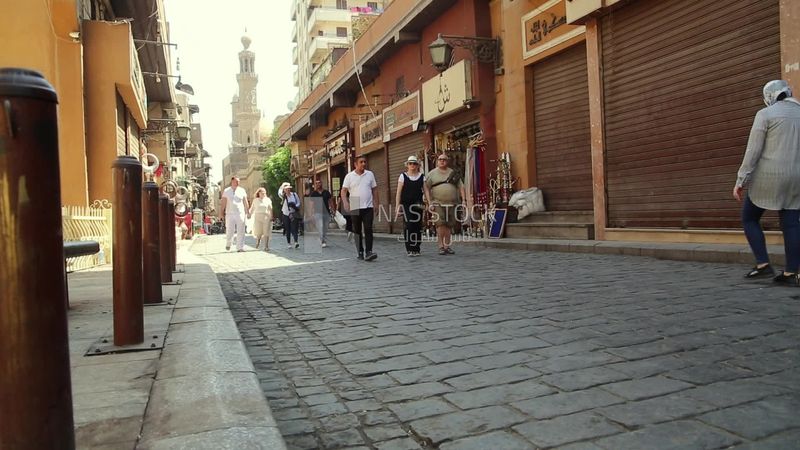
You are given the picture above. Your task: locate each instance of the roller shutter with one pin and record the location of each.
(562, 136)
(399, 151)
(122, 127)
(376, 162)
(682, 81)
(133, 137)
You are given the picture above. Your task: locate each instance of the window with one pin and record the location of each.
(341, 31)
(373, 5)
(341, 4)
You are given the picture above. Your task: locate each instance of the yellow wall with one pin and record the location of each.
(33, 41)
(108, 69)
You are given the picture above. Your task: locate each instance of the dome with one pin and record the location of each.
(246, 41)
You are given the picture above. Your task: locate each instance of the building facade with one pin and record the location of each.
(246, 154)
(631, 116)
(323, 30)
(384, 105)
(111, 65)
(636, 114)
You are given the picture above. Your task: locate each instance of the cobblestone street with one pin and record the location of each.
(494, 349)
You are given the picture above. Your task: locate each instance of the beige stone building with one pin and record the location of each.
(246, 154)
(323, 30)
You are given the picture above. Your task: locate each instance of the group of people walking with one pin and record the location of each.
(440, 193)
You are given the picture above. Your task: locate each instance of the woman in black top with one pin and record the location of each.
(410, 203)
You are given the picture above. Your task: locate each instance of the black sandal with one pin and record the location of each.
(760, 272)
(787, 279)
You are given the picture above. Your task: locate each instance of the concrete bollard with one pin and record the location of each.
(173, 246)
(127, 241)
(35, 388)
(165, 254)
(151, 263)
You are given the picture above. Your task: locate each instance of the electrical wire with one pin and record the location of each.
(358, 77)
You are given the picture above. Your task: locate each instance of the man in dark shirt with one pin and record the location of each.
(321, 201)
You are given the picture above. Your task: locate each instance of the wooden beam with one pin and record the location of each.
(406, 37)
(342, 99)
(368, 73)
(597, 120)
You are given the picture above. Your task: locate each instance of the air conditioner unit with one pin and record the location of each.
(170, 113)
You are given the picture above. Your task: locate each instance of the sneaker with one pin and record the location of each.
(787, 280)
(409, 254)
(762, 272)
(289, 246)
(370, 256)
(324, 245)
(361, 256)
(449, 251)
(442, 251)
(417, 254)
(296, 245)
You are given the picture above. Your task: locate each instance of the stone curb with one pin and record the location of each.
(716, 253)
(206, 394)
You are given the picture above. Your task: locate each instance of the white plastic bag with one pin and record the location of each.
(340, 220)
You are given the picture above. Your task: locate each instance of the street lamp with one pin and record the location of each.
(183, 132)
(485, 50)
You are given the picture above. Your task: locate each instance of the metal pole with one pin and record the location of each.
(35, 388)
(165, 254)
(173, 245)
(127, 241)
(150, 244)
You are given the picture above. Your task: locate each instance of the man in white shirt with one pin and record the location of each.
(234, 206)
(362, 188)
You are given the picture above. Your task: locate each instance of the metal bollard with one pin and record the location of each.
(151, 264)
(127, 241)
(35, 388)
(165, 254)
(173, 246)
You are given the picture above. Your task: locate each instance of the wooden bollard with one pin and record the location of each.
(35, 388)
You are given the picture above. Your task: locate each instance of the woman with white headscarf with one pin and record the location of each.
(770, 172)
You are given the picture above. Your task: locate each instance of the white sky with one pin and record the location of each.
(208, 35)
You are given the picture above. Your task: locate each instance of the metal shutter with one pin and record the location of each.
(562, 130)
(682, 81)
(399, 151)
(133, 137)
(122, 127)
(376, 162)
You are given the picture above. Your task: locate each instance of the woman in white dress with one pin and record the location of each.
(261, 211)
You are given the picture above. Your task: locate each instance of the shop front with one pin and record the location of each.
(448, 110)
(681, 84)
(402, 138)
(556, 64)
(338, 159)
(370, 144)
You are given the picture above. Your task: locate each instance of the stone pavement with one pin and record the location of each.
(192, 386)
(500, 349)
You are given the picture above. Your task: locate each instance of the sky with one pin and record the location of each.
(208, 34)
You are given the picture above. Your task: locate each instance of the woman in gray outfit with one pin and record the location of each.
(770, 172)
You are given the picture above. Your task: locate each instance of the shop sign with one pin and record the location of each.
(337, 146)
(371, 131)
(448, 92)
(400, 115)
(545, 27)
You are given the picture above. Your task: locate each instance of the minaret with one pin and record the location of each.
(244, 106)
